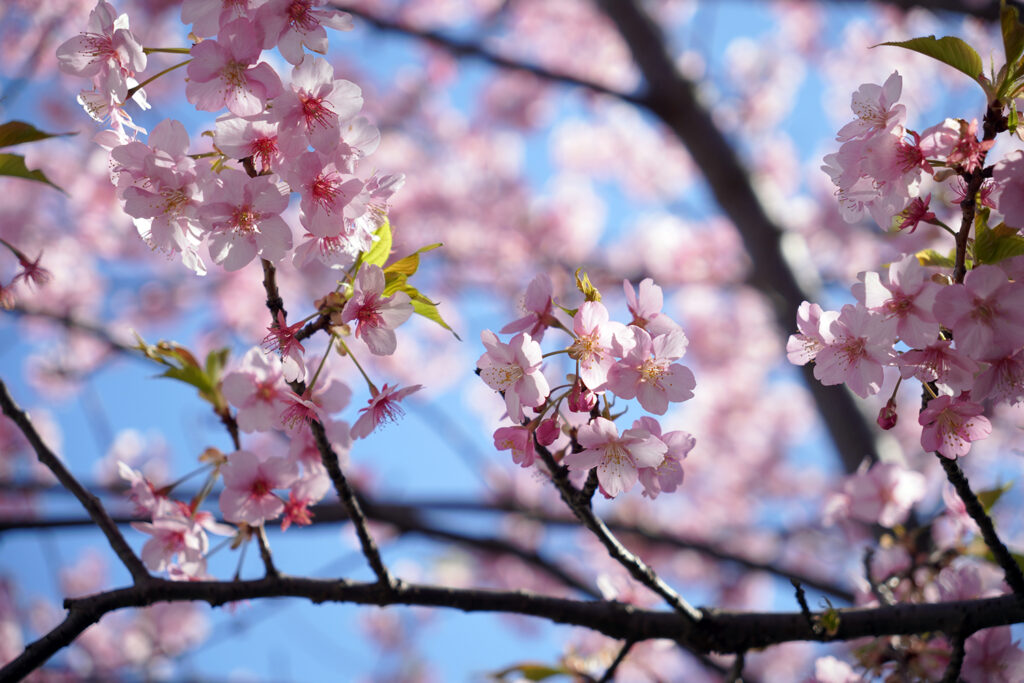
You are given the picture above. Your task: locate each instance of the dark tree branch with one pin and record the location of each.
(609, 675)
(722, 631)
(637, 568)
(1011, 570)
(91, 504)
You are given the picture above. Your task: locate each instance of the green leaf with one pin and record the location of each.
(411, 263)
(377, 255)
(930, 257)
(992, 245)
(14, 165)
(393, 282)
(421, 305)
(17, 132)
(948, 50)
(990, 497)
(1013, 33)
(182, 366)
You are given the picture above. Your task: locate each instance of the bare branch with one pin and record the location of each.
(91, 504)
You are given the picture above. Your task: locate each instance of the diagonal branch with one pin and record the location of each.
(91, 504)
(638, 569)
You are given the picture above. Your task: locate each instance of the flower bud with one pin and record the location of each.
(581, 399)
(548, 431)
(887, 415)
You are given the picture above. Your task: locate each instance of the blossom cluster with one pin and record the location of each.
(280, 136)
(300, 134)
(611, 359)
(962, 339)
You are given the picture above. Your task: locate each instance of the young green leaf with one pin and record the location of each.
(1013, 34)
(411, 263)
(427, 308)
(948, 50)
(17, 132)
(378, 254)
(14, 165)
(930, 257)
(990, 497)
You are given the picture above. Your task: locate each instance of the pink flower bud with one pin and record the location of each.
(581, 400)
(547, 432)
(887, 415)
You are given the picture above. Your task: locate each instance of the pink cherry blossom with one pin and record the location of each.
(312, 111)
(538, 306)
(324, 191)
(951, 424)
(514, 369)
(519, 440)
(617, 458)
(240, 138)
(991, 656)
(281, 338)
(176, 538)
(308, 491)
(208, 16)
(327, 397)
(294, 23)
(593, 345)
(1002, 380)
(668, 476)
(376, 316)
(857, 343)
(1008, 192)
(908, 298)
(984, 313)
(645, 305)
(257, 390)
(875, 107)
(915, 213)
(383, 407)
(804, 346)
(883, 494)
(224, 72)
(249, 483)
(245, 220)
(107, 52)
(939, 362)
(648, 374)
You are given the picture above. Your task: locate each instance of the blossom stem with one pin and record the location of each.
(169, 50)
(348, 351)
(555, 353)
(170, 487)
(319, 368)
(140, 86)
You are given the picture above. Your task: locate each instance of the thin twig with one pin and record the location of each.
(91, 504)
(956, 657)
(637, 568)
(1011, 570)
(609, 674)
(351, 503)
(265, 554)
(735, 674)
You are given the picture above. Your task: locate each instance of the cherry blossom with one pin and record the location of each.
(882, 494)
(256, 388)
(514, 368)
(991, 656)
(376, 316)
(519, 440)
(245, 221)
(617, 458)
(983, 313)
(803, 347)
(645, 304)
(876, 109)
(1008, 187)
(293, 24)
(224, 72)
(538, 306)
(647, 372)
(176, 537)
(249, 483)
(908, 298)
(382, 407)
(857, 343)
(240, 138)
(951, 424)
(316, 106)
(939, 362)
(106, 52)
(668, 476)
(593, 345)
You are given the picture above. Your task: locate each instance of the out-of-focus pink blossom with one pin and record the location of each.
(990, 656)
(985, 313)
(538, 306)
(1008, 181)
(883, 494)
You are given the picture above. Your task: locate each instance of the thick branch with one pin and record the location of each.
(91, 504)
(722, 631)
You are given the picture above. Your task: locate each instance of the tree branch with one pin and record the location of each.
(722, 631)
(91, 504)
